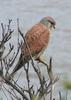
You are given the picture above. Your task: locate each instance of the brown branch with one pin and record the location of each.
(51, 77)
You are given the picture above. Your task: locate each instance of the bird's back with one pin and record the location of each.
(37, 39)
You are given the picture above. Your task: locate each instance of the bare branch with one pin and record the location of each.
(5, 94)
(16, 88)
(6, 35)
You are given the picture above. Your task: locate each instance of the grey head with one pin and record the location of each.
(49, 22)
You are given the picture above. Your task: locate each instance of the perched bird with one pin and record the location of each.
(37, 39)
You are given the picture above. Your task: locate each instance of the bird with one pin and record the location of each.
(37, 40)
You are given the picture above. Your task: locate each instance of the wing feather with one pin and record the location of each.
(37, 39)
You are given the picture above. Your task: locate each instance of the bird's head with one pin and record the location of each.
(49, 22)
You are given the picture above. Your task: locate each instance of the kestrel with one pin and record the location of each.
(37, 39)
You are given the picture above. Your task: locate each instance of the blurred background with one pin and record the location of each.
(29, 13)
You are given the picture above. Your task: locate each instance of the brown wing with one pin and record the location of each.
(37, 39)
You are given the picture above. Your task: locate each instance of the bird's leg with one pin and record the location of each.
(40, 60)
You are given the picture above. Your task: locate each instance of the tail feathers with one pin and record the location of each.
(20, 63)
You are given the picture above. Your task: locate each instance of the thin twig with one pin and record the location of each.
(9, 92)
(10, 50)
(60, 98)
(5, 94)
(16, 88)
(26, 68)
